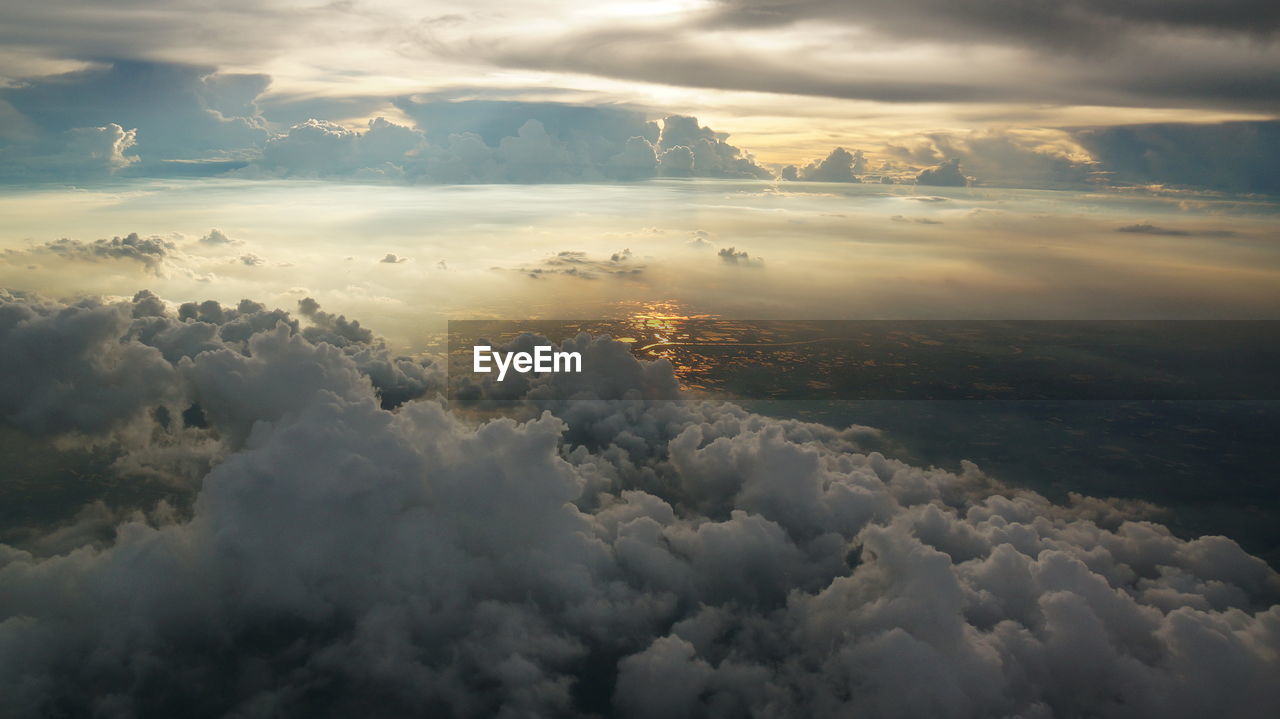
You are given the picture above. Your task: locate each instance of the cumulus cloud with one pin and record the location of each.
(734, 256)
(605, 557)
(838, 166)
(136, 119)
(947, 174)
(217, 237)
(1043, 158)
(324, 149)
(590, 145)
(81, 153)
(151, 252)
(131, 112)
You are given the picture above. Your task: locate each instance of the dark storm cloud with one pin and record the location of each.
(618, 558)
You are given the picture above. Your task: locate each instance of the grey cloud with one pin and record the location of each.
(1151, 68)
(1040, 158)
(613, 557)
(93, 368)
(947, 174)
(64, 368)
(151, 252)
(1230, 156)
(334, 329)
(572, 263)
(1146, 228)
(1070, 24)
(81, 153)
(734, 256)
(128, 119)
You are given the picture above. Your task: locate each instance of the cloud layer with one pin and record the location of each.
(139, 119)
(615, 557)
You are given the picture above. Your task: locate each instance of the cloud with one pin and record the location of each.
(839, 166)
(217, 237)
(734, 256)
(319, 148)
(606, 557)
(1146, 228)
(947, 174)
(170, 111)
(572, 263)
(64, 368)
(81, 153)
(1012, 157)
(151, 252)
(1077, 24)
(393, 259)
(586, 144)
(131, 118)
(1231, 156)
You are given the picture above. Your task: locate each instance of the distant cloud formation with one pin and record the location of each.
(1231, 157)
(145, 119)
(947, 174)
(839, 166)
(346, 554)
(150, 252)
(734, 256)
(217, 237)
(1146, 228)
(576, 264)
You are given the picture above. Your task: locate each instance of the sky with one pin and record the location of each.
(1023, 92)
(232, 236)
